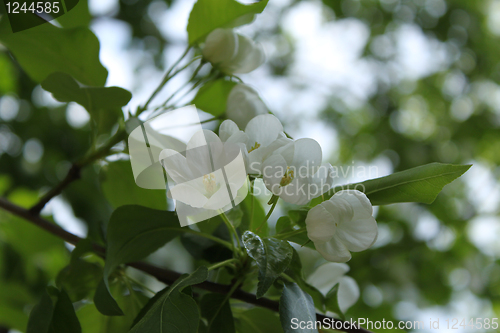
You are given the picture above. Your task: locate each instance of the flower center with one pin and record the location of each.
(287, 178)
(257, 145)
(210, 184)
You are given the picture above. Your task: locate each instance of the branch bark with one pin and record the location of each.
(161, 274)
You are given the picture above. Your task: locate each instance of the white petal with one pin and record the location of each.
(263, 129)
(248, 57)
(221, 45)
(243, 104)
(219, 199)
(176, 166)
(307, 156)
(340, 209)
(348, 293)
(359, 201)
(327, 275)
(226, 129)
(358, 235)
(273, 170)
(320, 225)
(333, 250)
(188, 195)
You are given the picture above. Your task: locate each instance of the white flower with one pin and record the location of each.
(341, 224)
(232, 53)
(262, 136)
(199, 179)
(243, 104)
(328, 275)
(295, 172)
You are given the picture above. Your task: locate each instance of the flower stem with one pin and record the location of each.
(232, 231)
(291, 233)
(202, 63)
(274, 200)
(166, 78)
(201, 234)
(222, 263)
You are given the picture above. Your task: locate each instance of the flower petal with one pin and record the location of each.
(320, 225)
(189, 195)
(327, 275)
(358, 235)
(348, 293)
(243, 104)
(333, 250)
(263, 129)
(273, 170)
(307, 156)
(221, 45)
(227, 129)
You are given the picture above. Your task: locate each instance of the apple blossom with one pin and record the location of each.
(342, 224)
(232, 53)
(262, 136)
(243, 104)
(295, 173)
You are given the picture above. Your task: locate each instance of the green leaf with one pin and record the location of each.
(135, 232)
(172, 310)
(216, 310)
(103, 103)
(46, 49)
(420, 184)
(254, 215)
(294, 270)
(212, 97)
(119, 187)
(298, 305)
(79, 279)
(258, 320)
(53, 314)
(208, 15)
(272, 256)
(104, 301)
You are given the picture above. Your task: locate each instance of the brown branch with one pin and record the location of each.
(161, 274)
(74, 171)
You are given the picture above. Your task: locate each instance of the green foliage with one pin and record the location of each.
(172, 309)
(420, 184)
(103, 104)
(119, 187)
(271, 255)
(295, 303)
(212, 97)
(258, 320)
(208, 15)
(216, 310)
(134, 232)
(45, 49)
(53, 314)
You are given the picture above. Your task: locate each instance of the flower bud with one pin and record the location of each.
(243, 104)
(232, 53)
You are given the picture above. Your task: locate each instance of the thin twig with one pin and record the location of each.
(161, 274)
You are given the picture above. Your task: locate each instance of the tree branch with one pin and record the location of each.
(74, 171)
(161, 274)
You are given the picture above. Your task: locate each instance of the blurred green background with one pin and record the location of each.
(392, 84)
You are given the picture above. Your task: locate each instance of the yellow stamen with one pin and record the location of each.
(257, 145)
(287, 178)
(210, 184)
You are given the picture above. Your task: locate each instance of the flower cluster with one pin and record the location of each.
(292, 170)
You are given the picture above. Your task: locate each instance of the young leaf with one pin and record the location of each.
(212, 97)
(119, 187)
(103, 103)
(420, 184)
(258, 320)
(46, 49)
(80, 278)
(172, 310)
(208, 15)
(134, 232)
(297, 305)
(54, 313)
(104, 301)
(272, 256)
(216, 310)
